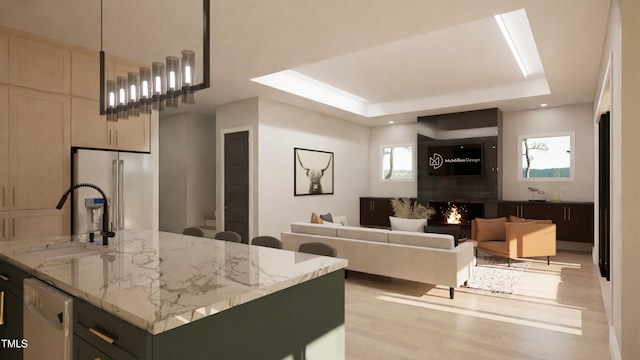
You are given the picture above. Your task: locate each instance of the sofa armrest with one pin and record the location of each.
(530, 239)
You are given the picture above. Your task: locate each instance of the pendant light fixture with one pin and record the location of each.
(153, 88)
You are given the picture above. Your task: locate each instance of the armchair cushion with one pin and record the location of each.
(515, 219)
(489, 229)
(530, 239)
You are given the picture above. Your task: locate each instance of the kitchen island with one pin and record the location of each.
(158, 295)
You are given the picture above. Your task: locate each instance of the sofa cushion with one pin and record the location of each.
(313, 229)
(490, 229)
(358, 233)
(340, 220)
(416, 225)
(438, 241)
(515, 219)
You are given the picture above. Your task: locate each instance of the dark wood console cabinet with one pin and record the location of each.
(574, 220)
(375, 211)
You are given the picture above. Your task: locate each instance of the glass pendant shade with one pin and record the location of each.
(134, 93)
(173, 80)
(111, 100)
(122, 97)
(159, 84)
(188, 75)
(145, 90)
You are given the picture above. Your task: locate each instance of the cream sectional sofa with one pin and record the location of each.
(422, 257)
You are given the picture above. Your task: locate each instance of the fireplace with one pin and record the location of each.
(455, 212)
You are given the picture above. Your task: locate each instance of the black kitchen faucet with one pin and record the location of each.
(106, 234)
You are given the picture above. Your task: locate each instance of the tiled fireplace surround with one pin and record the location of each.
(474, 196)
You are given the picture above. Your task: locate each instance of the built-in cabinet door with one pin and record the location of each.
(4, 148)
(37, 65)
(11, 328)
(85, 74)
(375, 211)
(507, 209)
(4, 225)
(28, 224)
(4, 58)
(131, 134)
(39, 146)
(88, 128)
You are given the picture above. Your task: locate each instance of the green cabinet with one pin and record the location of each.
(11, 310)
(102, 332)
(275, 326)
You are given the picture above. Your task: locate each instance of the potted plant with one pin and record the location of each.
(408, 215)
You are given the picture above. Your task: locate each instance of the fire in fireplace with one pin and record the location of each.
(450, 212)
(453, 216)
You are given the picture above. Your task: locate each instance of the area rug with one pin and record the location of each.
(492, 275)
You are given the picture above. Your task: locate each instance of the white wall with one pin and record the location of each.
(576, 118)
(283, 128)
(391, 135)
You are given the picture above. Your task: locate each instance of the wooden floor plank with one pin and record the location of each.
(556, 312)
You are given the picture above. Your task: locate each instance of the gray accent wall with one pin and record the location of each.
(187, 171)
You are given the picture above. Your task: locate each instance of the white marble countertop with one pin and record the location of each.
(159, 281)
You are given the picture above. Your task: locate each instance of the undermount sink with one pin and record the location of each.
(68, 252)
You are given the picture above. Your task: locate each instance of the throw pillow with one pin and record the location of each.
(490, 229)
(327, 217)
(415, 225)
(315, 219)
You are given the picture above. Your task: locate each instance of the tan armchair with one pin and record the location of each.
(515, 239)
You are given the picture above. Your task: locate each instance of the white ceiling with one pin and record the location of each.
(410, 57)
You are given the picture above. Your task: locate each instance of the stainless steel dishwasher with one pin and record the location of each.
(47, 322)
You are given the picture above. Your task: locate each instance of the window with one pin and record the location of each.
(546, 157)
(397, 162)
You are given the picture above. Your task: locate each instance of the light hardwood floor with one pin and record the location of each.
(556, 312)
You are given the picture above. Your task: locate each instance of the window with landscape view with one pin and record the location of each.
(546, 157)
(397, 162)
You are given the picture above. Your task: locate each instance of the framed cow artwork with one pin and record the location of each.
(313, 172)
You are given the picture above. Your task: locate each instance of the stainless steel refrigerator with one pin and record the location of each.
(127, 180)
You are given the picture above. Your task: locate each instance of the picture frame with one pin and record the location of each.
(312, 172)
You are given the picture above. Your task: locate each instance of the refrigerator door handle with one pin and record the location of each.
(121, 204)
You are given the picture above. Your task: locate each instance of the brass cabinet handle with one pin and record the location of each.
(109, 137)
(102, 335)
(4, 228)
(13, 227)
(4, 277)
(1, 308)
(4, 195)
(117, 137)
(14, 196)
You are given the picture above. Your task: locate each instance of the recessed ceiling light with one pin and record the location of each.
(391, 121)
(543, 105)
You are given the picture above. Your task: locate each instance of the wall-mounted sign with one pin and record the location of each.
(455, 160)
